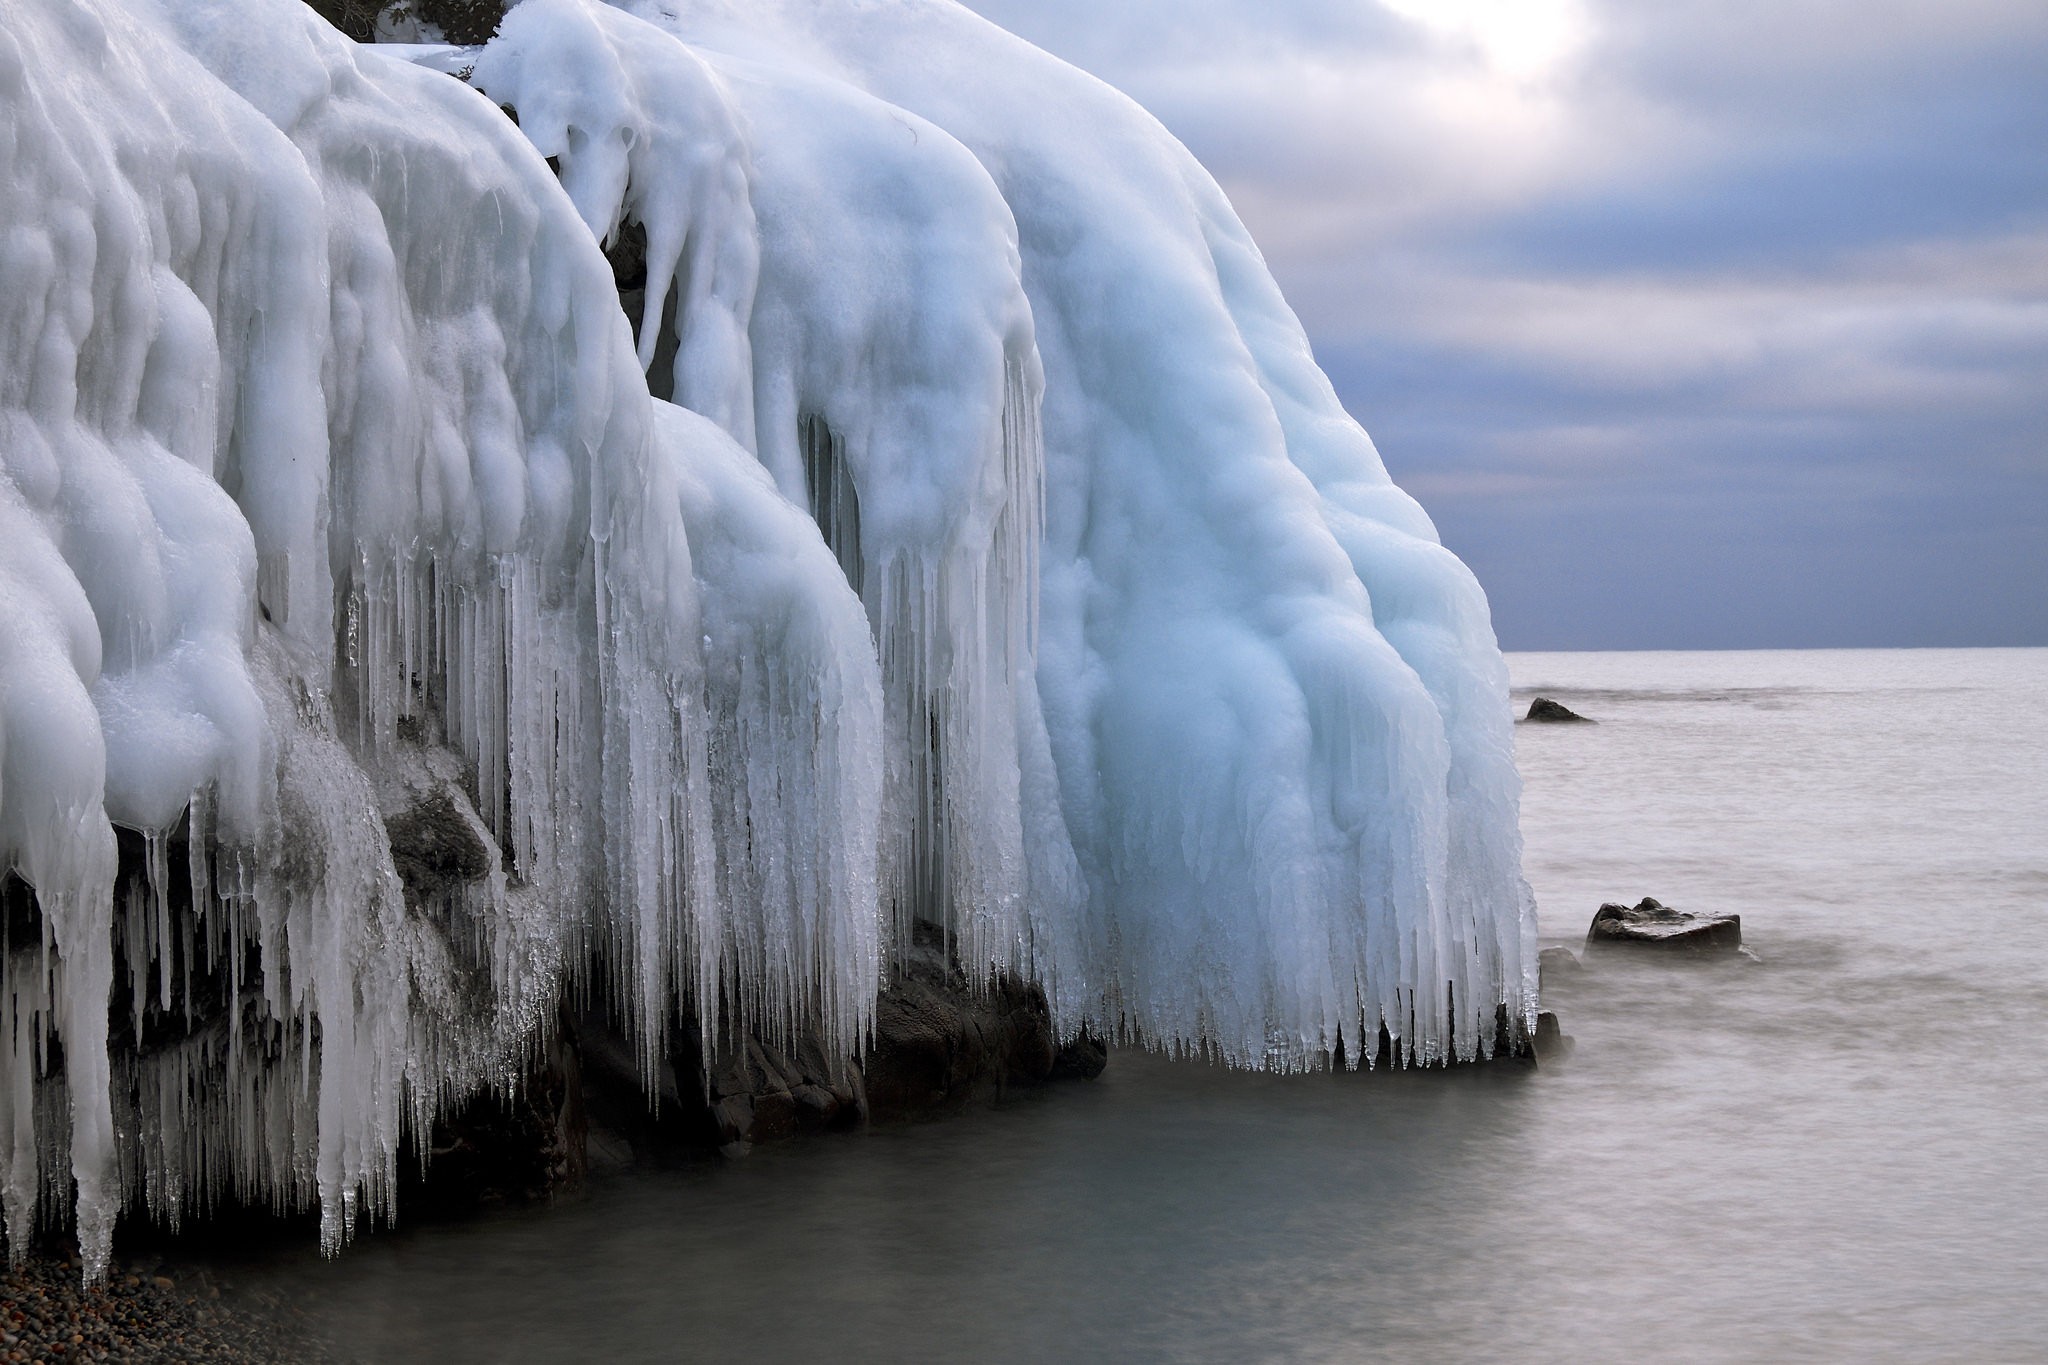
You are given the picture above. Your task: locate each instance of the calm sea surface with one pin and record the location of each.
(1840, 1153)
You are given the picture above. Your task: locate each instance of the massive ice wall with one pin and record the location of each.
(1273, 699)
(335, 503)
(847, 303)
(379, 659)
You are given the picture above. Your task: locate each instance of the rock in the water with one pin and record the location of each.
(523, 1147)
(1083, 1059)
(1652, 924)
(1551, 1043)
(940, 1043)
(1557, 962)
(1543, 709)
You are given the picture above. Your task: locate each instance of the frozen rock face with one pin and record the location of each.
(1275, 709)
(848, 304)
(381, 658)
(334, 495)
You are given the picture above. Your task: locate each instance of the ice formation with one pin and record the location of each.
(960, 532)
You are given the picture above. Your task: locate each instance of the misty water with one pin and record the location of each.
(1836, 1153)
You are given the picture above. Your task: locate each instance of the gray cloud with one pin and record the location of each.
(1727, 327)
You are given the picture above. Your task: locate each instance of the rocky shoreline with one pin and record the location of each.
(140, 1314)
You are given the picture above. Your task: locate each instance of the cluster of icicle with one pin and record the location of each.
(961, 533)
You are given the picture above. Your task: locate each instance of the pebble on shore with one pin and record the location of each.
(47, 1317)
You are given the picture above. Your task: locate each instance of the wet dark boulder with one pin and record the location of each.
(1551, 1043)
(1544, 711)
(941, 1043)
(1083, 1059)
(1652, 924)
(763, 1093)
(524, 1146)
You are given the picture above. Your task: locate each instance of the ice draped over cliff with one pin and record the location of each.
(959, 533)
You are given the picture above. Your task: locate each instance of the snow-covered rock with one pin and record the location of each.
(1003, 565)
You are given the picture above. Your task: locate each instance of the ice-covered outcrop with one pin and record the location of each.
(1272, 697)
(327, 450)
(848, 303)
(381, 655)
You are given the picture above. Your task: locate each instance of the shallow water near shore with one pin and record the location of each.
(1833, 1154)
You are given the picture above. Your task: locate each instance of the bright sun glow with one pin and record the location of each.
(1523, 39)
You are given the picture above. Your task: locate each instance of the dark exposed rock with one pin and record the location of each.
(1652, 924)
(628, 1121)
(940, 1044)
(436, 843)
(356, 18)
(1545, 711)
(463, 22)
(1550, 1043)
(1083, 1059)
(759, 1093)
(439, 843)
(521, 1148)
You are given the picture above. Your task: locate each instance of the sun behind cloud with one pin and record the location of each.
(1523, 40)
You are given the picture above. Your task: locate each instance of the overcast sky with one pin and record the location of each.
(1694, 325)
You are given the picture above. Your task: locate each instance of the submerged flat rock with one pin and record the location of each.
(1652, 924)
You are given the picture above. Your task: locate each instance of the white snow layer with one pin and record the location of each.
(1008, 565)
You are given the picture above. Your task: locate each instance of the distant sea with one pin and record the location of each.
(1837, 1153)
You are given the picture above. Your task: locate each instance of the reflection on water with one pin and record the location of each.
(1836, 1154)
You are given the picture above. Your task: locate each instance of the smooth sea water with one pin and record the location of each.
(1839, 1153)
